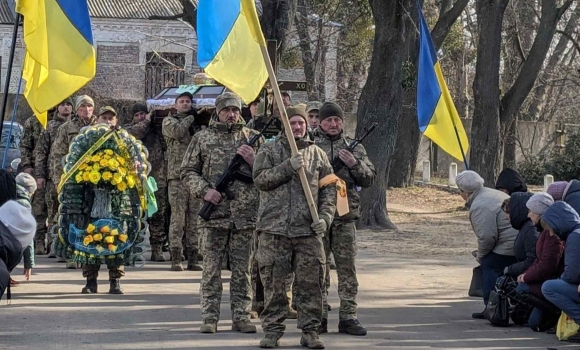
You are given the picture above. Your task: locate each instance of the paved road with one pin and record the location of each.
(405, 304)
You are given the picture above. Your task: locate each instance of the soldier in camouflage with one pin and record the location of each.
(107, 115)
(312, 108)
(178, 131)
(143, 129)
(32, 130)
(260, 121)
(44, 169)
(231, 226)
(288, 240)
(84, 108)
(357, 171)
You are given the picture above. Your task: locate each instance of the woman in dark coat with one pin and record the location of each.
(525, 243)
(547, 265)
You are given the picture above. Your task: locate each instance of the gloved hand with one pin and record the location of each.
(319, 227)
(297, 161)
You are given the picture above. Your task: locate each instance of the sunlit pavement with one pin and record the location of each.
(405, 304)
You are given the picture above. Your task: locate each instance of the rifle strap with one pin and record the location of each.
(341, 192)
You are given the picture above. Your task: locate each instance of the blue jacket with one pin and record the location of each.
(572, 195)
(565, 222)
(525, 243)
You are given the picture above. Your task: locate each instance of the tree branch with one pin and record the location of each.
(445, 22)
(571, 38)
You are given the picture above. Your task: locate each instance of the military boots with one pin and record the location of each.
(176, 260)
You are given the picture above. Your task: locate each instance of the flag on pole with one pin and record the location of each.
(229, 39)
(438, 118)
(60, 58)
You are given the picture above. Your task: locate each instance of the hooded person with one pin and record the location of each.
(562, 220)
(495, 235)
(510, 181)
(17, 228)
(571, 195)
(525, 243)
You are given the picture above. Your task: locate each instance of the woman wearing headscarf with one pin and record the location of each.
(495, 235)
(510, 181)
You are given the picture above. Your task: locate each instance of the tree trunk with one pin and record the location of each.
(486, 141)
(402, 171)
(308, 60)
(276, 20)
(381, 102)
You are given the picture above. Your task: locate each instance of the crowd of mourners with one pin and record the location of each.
(528, 247)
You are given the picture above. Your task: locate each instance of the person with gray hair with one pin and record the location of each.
(495, 235)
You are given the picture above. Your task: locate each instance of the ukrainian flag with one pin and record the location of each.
(438, 118)
(60, 58)
(229, 39)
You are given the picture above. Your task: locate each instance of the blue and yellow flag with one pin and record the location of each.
(60, 58)
(438, 118)
(229, 39)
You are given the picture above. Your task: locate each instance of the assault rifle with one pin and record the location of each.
(337, 164)
(231, 174)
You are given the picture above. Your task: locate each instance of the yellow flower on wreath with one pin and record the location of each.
(107, 175)
(96, 158)
(95, 177)
(83, 166)
(107, 157)
(104, 162)
(121, 160)
(131, 181)
(122, 186)
(117, 178)
(113, 164)
(86, 176)
(109, 152)
(122, 171)
(96, 167)
(79, 177)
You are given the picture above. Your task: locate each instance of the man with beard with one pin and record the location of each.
(288, 240)
(230, 228)
(44, 171)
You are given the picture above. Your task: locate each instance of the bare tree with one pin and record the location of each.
(494, 114)
(381, 101)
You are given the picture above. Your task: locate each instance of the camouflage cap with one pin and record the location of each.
(107, 109)
(67, 100)
(227, 99)
(313, 106)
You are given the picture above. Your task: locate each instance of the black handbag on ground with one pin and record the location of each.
(476, 286)
(497, 310)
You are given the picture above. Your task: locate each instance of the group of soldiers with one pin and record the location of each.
(262, 228)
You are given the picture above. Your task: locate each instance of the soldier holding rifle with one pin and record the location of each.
(232, 218)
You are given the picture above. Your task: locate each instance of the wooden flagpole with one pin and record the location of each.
(288, 130)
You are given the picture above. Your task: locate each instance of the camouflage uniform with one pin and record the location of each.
(44, 169)
(341, 239)
(231, 226)
(155, 144)
(286, 240)
(32, 131)
(178, 131)
(258, 123)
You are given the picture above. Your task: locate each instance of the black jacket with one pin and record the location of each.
(525, 243)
